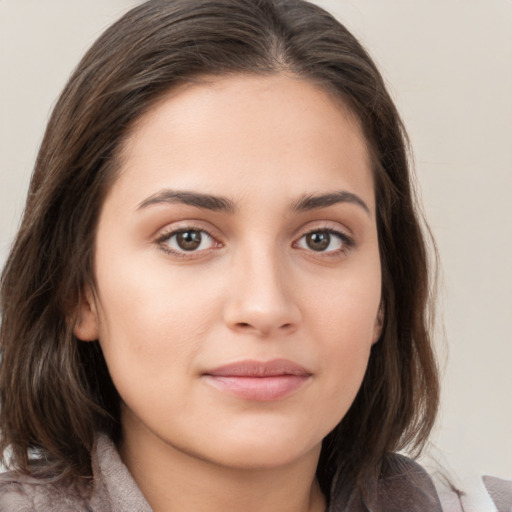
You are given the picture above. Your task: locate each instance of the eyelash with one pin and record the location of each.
(165, 237)
(346, 241)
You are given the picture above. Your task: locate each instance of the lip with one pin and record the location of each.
(259, 381)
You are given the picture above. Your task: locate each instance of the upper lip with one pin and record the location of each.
(250, 368)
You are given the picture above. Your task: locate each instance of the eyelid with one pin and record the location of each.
(180, 227)
(347, 240)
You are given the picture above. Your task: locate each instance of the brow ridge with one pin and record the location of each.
(317, 201)
(222, 204)
(197, 199)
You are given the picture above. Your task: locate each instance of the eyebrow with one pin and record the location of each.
(223, 204)
(314, 202)
(197, 199)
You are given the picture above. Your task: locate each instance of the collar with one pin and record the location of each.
(114, 489)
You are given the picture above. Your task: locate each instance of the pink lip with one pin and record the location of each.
(260, 381)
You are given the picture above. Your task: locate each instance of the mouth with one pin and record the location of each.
(259, 381)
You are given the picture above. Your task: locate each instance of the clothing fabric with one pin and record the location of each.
(405, 486)
(500, 491)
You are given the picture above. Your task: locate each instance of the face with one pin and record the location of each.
(237, 271)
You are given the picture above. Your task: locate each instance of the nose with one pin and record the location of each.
(262, 299)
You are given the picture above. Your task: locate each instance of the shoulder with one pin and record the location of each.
(402, 485)
(405, 485)
(27, 494)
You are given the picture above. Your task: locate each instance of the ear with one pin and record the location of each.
(379, 323)
(86, 327)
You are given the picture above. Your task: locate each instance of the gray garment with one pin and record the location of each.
(500, 491)
(114, 490)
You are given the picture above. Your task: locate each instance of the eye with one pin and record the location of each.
(324, 240)
(187, 241)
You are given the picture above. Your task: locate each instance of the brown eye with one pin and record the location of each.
(327, 241)
(318, 241)
(189, 240)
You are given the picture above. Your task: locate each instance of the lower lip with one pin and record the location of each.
(262, 389)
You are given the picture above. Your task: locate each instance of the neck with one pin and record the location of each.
(172, 480)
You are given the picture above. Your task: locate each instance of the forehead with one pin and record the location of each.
(246, 129)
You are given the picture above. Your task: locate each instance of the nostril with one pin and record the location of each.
(248, 325)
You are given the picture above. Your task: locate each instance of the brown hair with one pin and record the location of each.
(56, 392)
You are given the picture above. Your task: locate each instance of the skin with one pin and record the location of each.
(254, 289)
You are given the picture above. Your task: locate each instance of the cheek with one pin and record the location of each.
(345, 356)
(346, 308)
(152, 323)
(345, 318)
(345, 353)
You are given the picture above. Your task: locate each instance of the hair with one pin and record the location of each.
(56, 392)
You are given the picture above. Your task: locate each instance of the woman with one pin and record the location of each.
(218, 295)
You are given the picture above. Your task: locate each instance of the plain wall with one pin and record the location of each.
(449, 67)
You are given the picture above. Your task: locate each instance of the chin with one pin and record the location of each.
(264, 451)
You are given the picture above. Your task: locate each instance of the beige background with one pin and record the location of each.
(449, 66)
